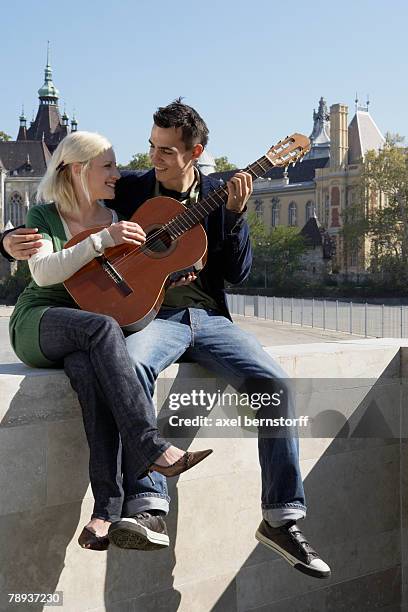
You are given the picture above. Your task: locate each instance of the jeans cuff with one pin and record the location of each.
(293, 512)
(145, 503)
(109, 510)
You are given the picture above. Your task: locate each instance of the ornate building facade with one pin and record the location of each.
(23, 161)
(325, 182)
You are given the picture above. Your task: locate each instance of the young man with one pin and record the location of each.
(195, 322)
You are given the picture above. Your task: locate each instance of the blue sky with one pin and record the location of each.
(255, 71)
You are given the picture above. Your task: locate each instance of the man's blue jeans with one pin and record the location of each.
(216, 343)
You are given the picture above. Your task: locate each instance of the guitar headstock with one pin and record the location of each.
(289, 150)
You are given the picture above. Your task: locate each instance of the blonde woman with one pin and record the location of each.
(48, 330)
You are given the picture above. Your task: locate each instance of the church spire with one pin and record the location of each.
(48, 125)
(74, 123)
(22, 132)
(48, 93)
(23, 118)
(320, 136)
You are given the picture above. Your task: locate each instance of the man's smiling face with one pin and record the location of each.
(171, 160)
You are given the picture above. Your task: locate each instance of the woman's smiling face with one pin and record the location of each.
(102, 176)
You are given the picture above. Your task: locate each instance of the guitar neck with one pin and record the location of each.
(197, 212)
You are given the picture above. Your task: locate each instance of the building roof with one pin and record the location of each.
(363, 135)
(312, 233)
(26, 157)
(300, 173)
(47, 125)
(316, 236)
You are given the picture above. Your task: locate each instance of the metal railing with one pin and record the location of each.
(369, 320)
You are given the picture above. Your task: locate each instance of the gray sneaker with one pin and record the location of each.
(142, 531)
(290, 543)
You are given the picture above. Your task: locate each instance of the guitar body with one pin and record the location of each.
(128, 282)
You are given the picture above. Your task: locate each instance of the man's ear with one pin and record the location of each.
(197, 150)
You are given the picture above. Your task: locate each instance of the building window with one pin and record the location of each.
(335, 196)
(292, 216)
(259, 209)
(15, 209)
(326, 211)
(310, 210)
(275, 212)
(354, 258)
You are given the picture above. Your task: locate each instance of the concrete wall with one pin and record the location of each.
(355, 479)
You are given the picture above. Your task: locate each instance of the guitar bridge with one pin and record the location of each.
(115, 276)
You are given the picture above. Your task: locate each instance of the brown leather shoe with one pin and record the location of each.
(89, 539)
(187, 461)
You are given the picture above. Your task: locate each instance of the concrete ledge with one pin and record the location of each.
(357, 489)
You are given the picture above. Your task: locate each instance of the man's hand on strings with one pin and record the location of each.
(239, 191)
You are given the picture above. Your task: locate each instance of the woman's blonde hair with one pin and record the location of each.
(57, 185)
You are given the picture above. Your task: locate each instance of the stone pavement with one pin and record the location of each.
(273, 333)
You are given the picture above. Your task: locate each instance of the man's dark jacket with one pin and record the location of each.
(229, 250)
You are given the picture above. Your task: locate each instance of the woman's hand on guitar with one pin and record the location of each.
(239, 191)
(127, 232)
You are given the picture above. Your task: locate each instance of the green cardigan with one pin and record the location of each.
(34, 301)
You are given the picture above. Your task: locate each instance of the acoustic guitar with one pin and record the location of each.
(128, 282)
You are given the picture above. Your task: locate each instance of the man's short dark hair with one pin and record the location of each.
(179, 115)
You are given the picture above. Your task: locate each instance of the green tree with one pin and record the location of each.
(139, 161)
(4, 137)
(258, 231)
(387, 174)
(381, 212)
(277, 253)
(223, 165)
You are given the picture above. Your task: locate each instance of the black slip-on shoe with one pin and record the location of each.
(142, 531)
(289, 542)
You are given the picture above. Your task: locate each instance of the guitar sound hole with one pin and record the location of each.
(158, 241)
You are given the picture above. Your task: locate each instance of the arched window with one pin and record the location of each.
(335, 196)
(259, 208)
(15, 209)
(292, 216)
(275, 212)
(310, 210)
(326, 211)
